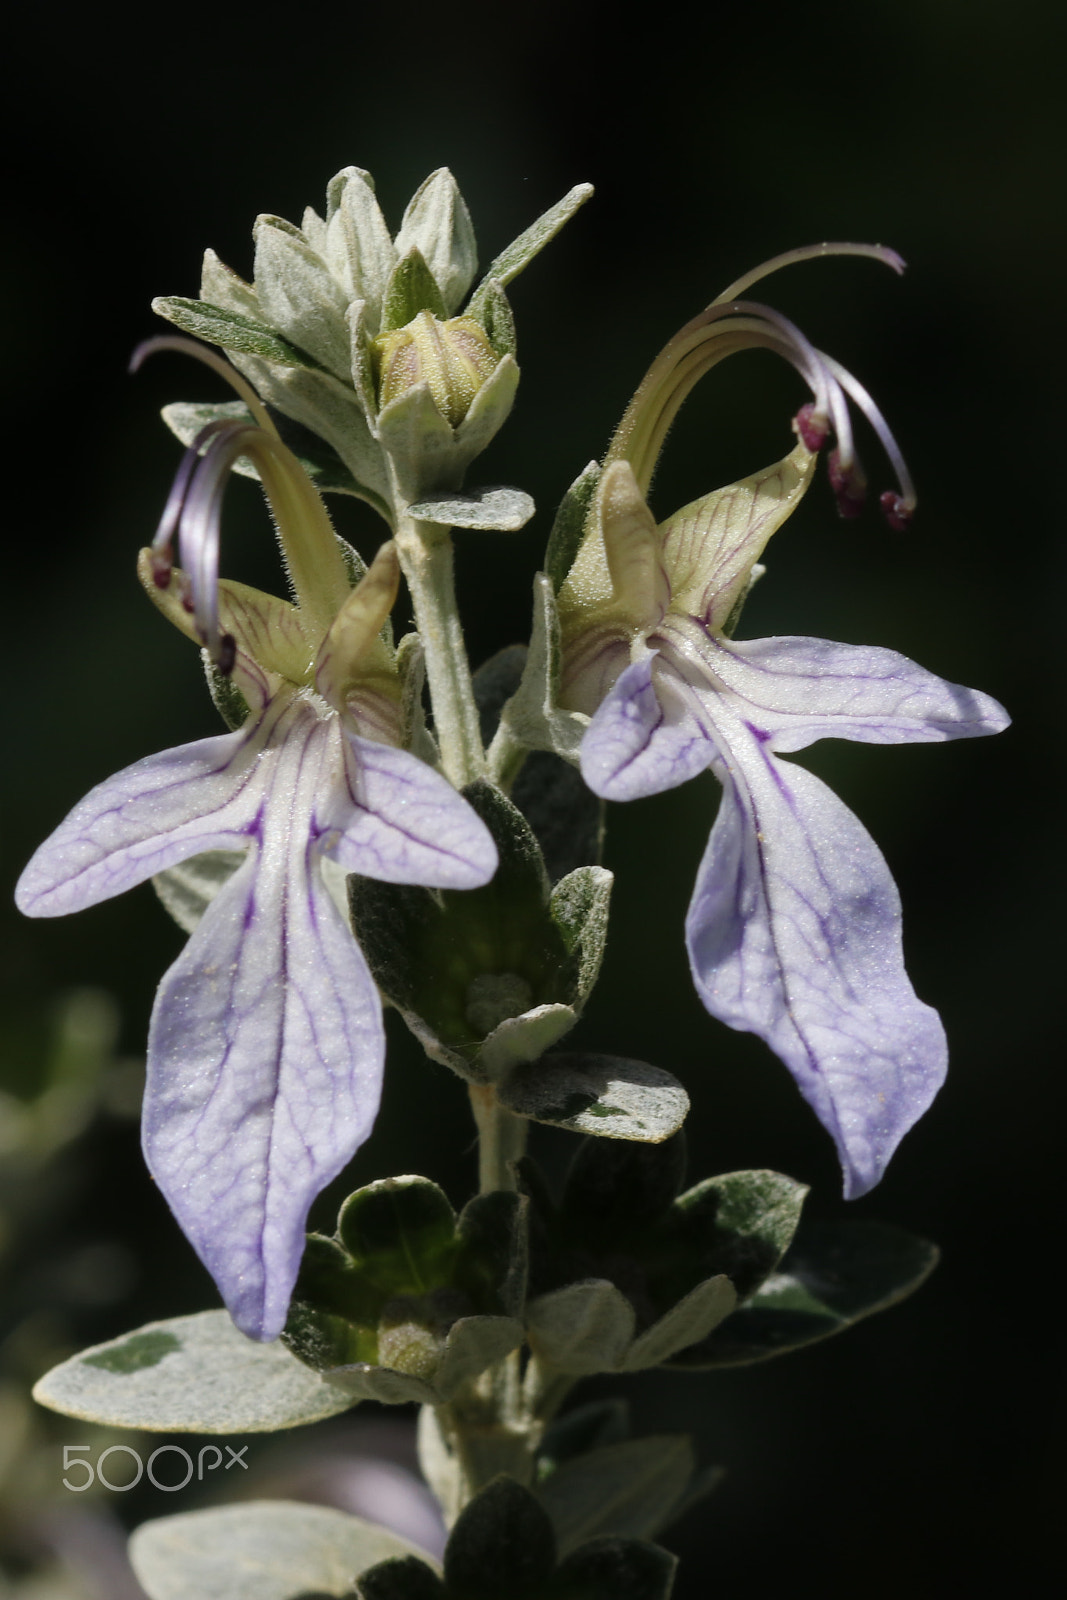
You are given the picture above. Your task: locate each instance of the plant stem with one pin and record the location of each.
(425, 550)
(501, 1138)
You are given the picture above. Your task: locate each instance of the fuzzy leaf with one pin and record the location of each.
(438, 224)
(321, 463)
(618, 1569)
(834, 1275)
(688, 1321)
(521, 251)
(583, 1328)
(627, 1489)
(230, 329)
(569, 524)
(262, 1550)
(411, 288)
(496, 510)
(609, 1096)
(192, 1374)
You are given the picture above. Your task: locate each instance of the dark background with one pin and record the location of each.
(921, 1449)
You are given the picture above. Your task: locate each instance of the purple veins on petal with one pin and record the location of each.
(793, 934)
(644, 739)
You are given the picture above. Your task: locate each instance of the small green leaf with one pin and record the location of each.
(579, 908)
(569, 524)
(401, 1232)
(835, 1274)
(587, 1427)
(438, 224)
(689, 1320)
(300, 296)
(321, 463)
(492, 309)
(262, 1550)
(617, 1569)
(502, 1545)
(230, 329)
(207, 1379)
(625, 1489)
(607, 1096)
(521, 251)
(741, 1223)
(405, 1578)
(411, 288)
(495, 510)
(586, 1327)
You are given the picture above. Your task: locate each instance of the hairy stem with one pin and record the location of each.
(501, 1138)
(425, 550)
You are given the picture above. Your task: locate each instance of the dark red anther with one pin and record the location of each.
(162, 567)
(812, 427)
(227, 654)
(850, 487)
(897, 513)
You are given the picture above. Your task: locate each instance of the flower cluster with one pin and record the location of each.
(266, 1049)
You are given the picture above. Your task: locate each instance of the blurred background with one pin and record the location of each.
(923, 1447)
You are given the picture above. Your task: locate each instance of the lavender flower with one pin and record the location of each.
(265, 1050)
(793, 931)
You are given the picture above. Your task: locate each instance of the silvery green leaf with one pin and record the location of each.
(609, 1096)
(579, 908)
(362, 1381)
(300, 296)
(569, 524)
(362, 365)
(835, 1274)
(531, 715)
(322, 464)
(261, 1550)
(189, 888)
(630, 1490)
(358, 247)
(329, 408)
(751, 1215)
(438, 224)
(439, 1465)
(583, 1328)
(522, 1039)
(687, 1322)
(493, 1228)
(412, 288)
(192, 1374)
(472, 1345)
(313, 227)
(413, 432)
(233, 330)
(221, 286)
(493, 312)
(497, 510)
(521, 251)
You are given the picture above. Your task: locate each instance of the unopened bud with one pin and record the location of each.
(452, 358)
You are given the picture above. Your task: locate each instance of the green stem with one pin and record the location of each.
(425, 550)
(501, 1138)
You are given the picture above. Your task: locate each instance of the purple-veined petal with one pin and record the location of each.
(793, 933)
(799, 690)
(402, 822)
(644, 739)
(266, 1049)
(197, 797)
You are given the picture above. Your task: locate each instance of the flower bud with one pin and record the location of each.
(452, 358)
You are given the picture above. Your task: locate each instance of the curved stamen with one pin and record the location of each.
(199, 528)
(905, 502)
(810, 252)
(200, 352)
(717, 332)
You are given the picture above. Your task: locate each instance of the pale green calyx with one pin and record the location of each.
(453, 359)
